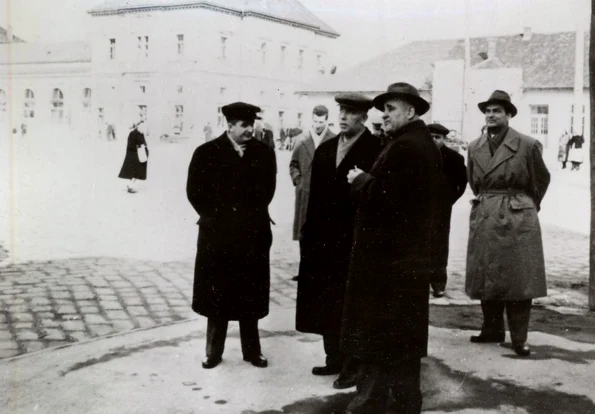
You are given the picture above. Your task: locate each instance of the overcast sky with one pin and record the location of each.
(367, 27)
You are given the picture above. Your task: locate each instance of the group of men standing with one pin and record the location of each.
(372, 219)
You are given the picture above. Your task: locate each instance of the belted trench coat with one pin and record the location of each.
(505, 251)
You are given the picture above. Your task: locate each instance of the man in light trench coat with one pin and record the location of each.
(505, 264)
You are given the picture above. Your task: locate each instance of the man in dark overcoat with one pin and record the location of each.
(231, 181)
(401, 200)
(453, 165)
(328, 233)
(505, 262)
(300, 166)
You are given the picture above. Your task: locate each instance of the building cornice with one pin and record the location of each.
(213, 7)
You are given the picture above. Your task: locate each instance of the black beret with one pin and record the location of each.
(241, 110)
(354, 100)
(438, 129)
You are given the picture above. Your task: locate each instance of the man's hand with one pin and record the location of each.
(353, 173)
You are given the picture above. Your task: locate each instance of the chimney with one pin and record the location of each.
(527, 33)
(491, 48)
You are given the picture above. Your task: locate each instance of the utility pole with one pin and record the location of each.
(592, 158)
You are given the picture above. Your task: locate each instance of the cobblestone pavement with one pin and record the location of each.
(51, 303)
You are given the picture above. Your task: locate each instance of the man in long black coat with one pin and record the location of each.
(400, 199)
(456, 173)
(231, 181)
(328, 233)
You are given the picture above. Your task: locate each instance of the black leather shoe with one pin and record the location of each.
(486, 339)
(522, 350)
(209, 363)
(344, 381)
(438, 293)
(326, 370)
(258, 361)
(295, 278)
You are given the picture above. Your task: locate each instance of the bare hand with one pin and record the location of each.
(353, 173)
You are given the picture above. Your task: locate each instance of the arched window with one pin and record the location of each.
(57, 105)
(2, 102)
(87, 98)
(29, 106)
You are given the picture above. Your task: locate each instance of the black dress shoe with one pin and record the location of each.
(209, 363)
(486, 339)
(295, 278)
(345, 381)
(522, 350)
(258, 361)
(327, 370)
(438, 293)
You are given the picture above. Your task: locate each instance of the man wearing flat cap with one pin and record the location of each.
(327, 234)
(453, 165)
(505, 263)
(231, 181)
(400, 203)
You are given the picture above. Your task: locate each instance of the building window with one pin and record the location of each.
(57, 110)
(283, 55)
(223, 48)
(143, 46)
(143, 89)
(319, 65)
(2, 102)
(142, 112)
(539, 120)
(112, 49)
(180, 89)
(179, 119)
(222, 92)
(29, 104)
(86, 98)
(281, 113)
(572, 121)
(301, 59)
(263, 52)
(219, 118)
(180, 45)
(299, 120)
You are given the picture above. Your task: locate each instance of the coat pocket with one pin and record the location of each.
(524, 214)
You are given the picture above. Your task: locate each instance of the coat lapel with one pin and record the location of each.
(506, 150)
(482, 154)
(353, 151)
(309, 144)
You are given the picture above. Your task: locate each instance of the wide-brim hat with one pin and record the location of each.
(241, 110)
(438, 129)
(406, 92)
(500, 98)
(355, 101)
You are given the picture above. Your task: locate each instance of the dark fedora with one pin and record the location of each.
(500, 98)
(406, 92)
(355, 101)
(242, 111)
(438, 129)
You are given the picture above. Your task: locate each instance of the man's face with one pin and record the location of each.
(438, 139)
(496, 116)
(350, 120)
(396, 115)
(240, 131)
(319, 123)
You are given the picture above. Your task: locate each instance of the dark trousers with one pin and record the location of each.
(376, 382)
(439, 279)
(217, 332)
(518, 314)
(335, 357)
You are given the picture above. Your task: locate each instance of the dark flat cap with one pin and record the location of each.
(354, 101)
(406, 92)
(241, 110)
(438, 129)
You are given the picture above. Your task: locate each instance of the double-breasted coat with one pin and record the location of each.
(401, 201)
(232, 194)
(300, 169)
(505, 251)
(132, 167)
(328, 234)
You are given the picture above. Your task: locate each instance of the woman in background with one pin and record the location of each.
(134, 168)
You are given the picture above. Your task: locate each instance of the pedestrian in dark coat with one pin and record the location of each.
(400, 199)
(132, 168)
(453, 165)
(328, 234)
(231, 181)
(505, 263)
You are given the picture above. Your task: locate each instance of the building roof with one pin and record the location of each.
(547, 61)
(291, 12)
(4, 37)
(69, 52)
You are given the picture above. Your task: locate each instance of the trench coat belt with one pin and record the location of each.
(506, 191)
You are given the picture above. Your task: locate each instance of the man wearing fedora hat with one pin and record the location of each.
(454, 168)
(231, 182)
(400, 205)
(505, 263)
(328, 234)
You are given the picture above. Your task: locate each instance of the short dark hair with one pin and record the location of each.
(320, 110)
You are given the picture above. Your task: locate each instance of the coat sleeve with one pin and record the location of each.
(294, 165)
(470, 171)
(460, 175)
(198, 187)
(539, 174)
